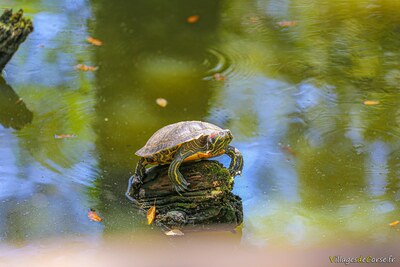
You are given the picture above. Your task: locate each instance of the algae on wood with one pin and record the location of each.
(14, 29)
(209, 201)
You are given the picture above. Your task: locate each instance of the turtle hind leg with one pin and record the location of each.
(136, 180)
(236, 166)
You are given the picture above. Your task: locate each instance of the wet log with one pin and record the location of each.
(209, 201)
(14, 29)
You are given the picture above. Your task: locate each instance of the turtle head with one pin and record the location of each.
(219, 140)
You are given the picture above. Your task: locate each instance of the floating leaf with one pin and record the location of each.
(394, 223)
(288, 149)
(174, 232)
(94, 41)
(254, 19)
(371, 102)
(151, 214)
(63, 136)
(162, 102)
(84, 67)
(287, 23)
(192, 19)
(219, 77)
(93, 216)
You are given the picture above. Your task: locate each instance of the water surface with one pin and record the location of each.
(289, 78)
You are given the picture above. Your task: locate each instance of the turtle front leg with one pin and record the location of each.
(236, 166)
(136, 180)
(178, 181)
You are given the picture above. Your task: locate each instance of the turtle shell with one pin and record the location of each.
(174, 135)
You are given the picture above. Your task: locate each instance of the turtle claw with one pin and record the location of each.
(181, 188)
(181, 185)
(182, 181)
(234, 173)
(134, 201)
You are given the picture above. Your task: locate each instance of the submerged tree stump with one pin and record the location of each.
(14, 29)
(209, 201)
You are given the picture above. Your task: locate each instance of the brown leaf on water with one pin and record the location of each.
(63, 136)
(92, 215)
(371, 102)
(254, 19)
(219, 77)
(151, 214)
(392, 224)
(94, 41)
(84, 67)
(175, 232)
(287, 23)
(288, 149)
(192, 19)
(162, 102)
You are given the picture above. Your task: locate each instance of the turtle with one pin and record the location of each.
(181, 142)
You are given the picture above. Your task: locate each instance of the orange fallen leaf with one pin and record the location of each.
(254, 19)
(92, 215)
(94, 41)
(287, 23)
(151, 214)
(371, 102)
(162, 102)
(219, 77)
(84, 67)
(192, 19)
(175, 232)
(288, 149)
(63, 136)
(394, 223)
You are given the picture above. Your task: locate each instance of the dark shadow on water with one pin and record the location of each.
(13, 111)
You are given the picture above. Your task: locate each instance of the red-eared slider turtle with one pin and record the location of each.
(181, 142)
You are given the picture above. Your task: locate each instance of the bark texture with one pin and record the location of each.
(14, 29)
(209, 201)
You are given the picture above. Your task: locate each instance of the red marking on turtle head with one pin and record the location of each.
(213, 134)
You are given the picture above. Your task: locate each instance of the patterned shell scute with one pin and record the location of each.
(176, 134)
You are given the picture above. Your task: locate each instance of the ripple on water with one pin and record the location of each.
(230, 64)
(61, 112)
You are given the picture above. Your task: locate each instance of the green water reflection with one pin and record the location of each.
(320, 165)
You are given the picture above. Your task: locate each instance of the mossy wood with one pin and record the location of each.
(14, 29)
(209, 201)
